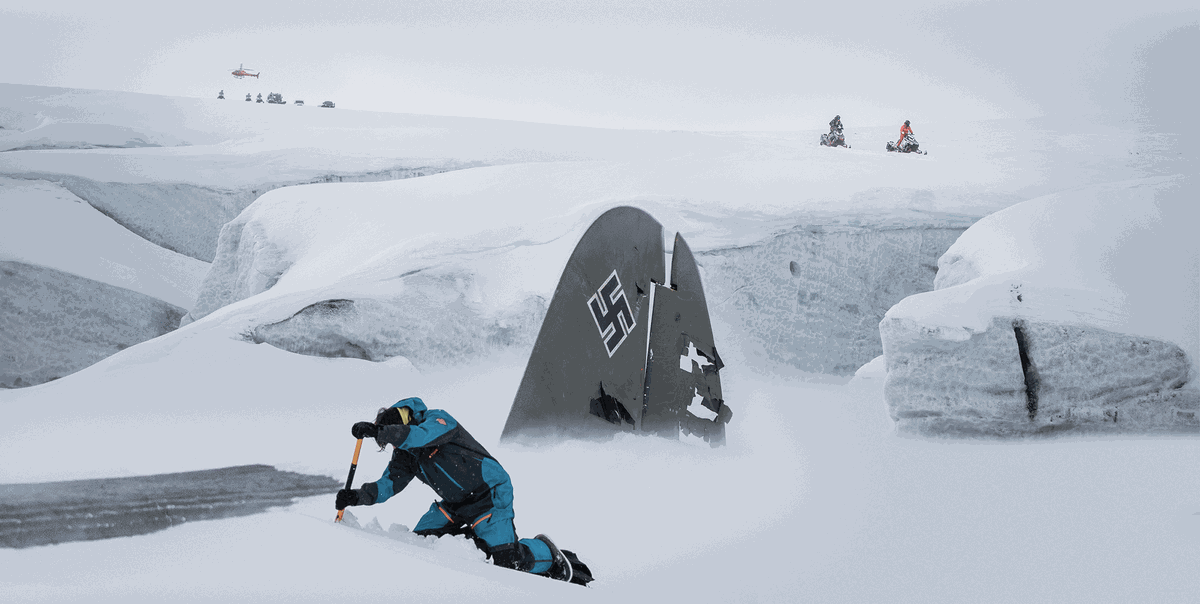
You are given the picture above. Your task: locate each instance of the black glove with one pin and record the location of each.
(346, 497)
(364, 430)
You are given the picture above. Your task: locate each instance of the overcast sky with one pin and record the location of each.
(675, 64)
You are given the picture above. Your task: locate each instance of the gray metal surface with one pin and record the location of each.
(592, 344)
(683, 384)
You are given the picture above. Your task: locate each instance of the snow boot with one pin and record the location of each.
(580, 573)
(560, 567)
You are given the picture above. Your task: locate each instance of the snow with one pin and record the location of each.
(816, 497)
(686, 360)
(235, 152)
(1099, 240)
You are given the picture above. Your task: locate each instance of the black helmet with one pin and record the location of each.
(837, 117)
(905, 122)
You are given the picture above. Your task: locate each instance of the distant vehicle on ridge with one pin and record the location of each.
(328, 104)
(300, 102)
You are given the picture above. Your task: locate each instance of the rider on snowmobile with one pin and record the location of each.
(477, 496)
(904, 130)
(835, 125)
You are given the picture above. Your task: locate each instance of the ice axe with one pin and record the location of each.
(350, 478)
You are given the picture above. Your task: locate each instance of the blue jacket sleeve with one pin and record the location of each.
(393, 481)
(435, 430)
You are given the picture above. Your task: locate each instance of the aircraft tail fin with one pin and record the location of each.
(618, 349)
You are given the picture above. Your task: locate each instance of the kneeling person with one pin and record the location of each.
(477, 496)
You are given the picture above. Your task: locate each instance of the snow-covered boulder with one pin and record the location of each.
(1075, 311)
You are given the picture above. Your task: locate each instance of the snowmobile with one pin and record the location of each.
(221, 95)
(834, 139)
(908, 145)
(247, 97)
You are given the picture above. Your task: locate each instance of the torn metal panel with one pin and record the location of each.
(685, 388)
(611, 410)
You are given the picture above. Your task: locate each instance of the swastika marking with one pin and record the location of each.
(610, 310)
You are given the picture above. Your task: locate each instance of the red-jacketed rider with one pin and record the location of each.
(905, 129)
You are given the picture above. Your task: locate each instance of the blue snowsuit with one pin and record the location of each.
(477, 495)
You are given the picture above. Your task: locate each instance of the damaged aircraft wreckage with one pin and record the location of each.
(619, 350)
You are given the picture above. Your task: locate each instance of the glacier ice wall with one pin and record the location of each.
(54, 323)
(1073, 312)
(1021, 377)
(812, 297)
(809, 297)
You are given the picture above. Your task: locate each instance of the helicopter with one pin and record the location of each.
(241, 72)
